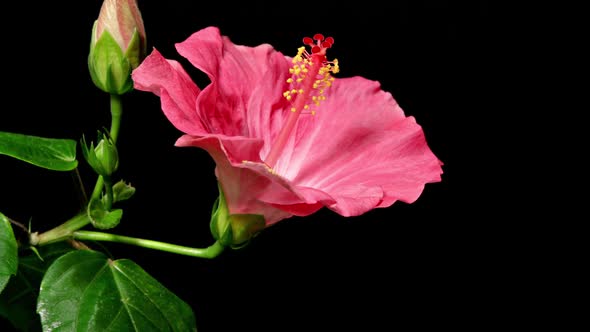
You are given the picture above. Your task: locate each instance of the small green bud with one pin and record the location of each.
(233, 230)
(122, 191)
(104, 158)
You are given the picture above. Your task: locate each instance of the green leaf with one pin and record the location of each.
(100, 217)
(51, 153)
(19, 300)
(86, 291)
(8, 252)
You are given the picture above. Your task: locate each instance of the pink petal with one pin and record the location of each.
(251, 187)
(178, 93)
(360, 149)
(246, 83)
(241, 185)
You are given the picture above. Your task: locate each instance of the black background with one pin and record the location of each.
(427, 264)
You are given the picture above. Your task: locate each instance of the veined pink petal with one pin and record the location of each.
(361, 149)
(240, 185)
(250, 187)
(246, 84)
(121, 18)
(178, 93)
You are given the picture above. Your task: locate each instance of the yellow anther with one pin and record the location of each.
(303, 64)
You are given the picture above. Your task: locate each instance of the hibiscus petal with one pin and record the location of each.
(251, 187)
(178, 93)
(361, 149)
(241, 186)
(243, 89)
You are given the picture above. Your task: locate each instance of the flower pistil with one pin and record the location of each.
(310, 76)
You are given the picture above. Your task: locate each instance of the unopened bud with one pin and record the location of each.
(117, 46)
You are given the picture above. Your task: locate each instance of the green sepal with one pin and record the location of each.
(244, 228)
(109, 68)
(235, 230)
(220, 229)
(102, 218)
(135, 51)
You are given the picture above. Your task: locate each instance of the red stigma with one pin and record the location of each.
(318, 36)
(318, 43)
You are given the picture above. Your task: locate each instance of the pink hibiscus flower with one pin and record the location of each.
(287, 138)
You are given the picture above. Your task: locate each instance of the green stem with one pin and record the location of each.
(108, 185)
(98, 188)
(116, 111)
(210, 252)
(61, 232)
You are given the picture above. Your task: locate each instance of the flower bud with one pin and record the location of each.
(233, 230)
(104, 158)
(117, 46)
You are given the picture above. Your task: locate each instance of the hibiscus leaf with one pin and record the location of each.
(19, 299)
(51, 153)
(86, 291)
(8, 252)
